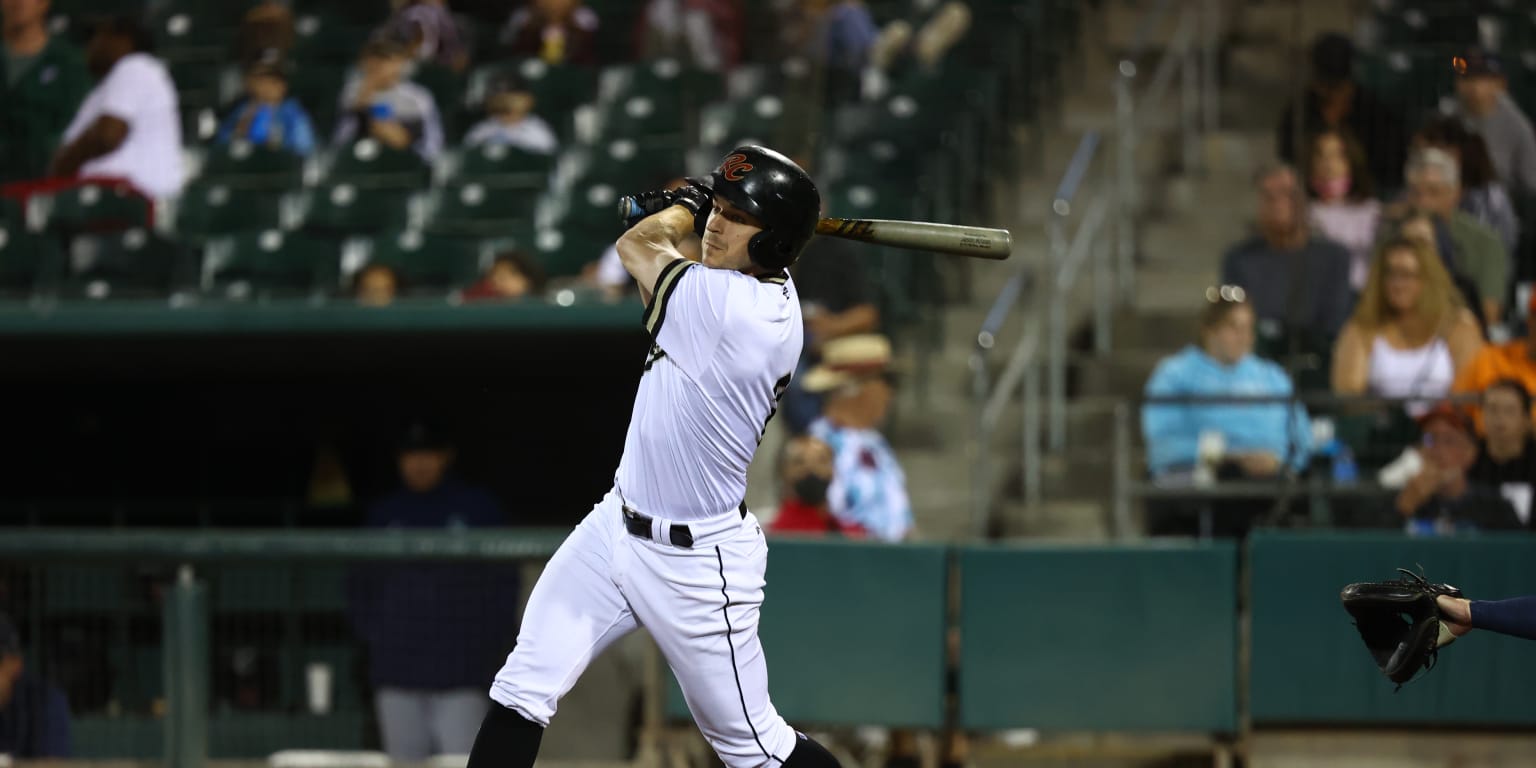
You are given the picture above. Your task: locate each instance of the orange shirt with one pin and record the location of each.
(1511, 360)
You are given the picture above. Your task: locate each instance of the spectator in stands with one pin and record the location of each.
(379, 103)
(1410, 333)
(513, 275)
(434, 632)
(376, 285)
(706, 34)
(1344, 206)
(1483, 196)
(267, 116)
(1441, 498)
(1506, 458)
(42, 80)
(1515, 360)
(805, 476)
(510, 122)
(1434, 187)
(428, 30)
(1334, 100)
(1435, 235)
(556, 31)
(1482, 97)
(34, 715)
(266, 32)
(1294, 281)
(1261, 440)
(835, 301)
(868, 488)
(838, 35)
(129, 126)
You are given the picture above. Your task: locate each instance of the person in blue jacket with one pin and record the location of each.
(34, 714)
(267, 116)
(1258, 441)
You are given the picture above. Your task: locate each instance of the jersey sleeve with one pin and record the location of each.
(686, 316)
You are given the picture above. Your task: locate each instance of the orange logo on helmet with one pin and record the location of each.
(734, 166)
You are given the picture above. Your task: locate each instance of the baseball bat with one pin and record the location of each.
(953, 239)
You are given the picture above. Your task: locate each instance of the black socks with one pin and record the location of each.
(506, 740)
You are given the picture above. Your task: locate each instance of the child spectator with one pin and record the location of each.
(510, 121)
(1344, 207)
(267, 116)
(379, 103)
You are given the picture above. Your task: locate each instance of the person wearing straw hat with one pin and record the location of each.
(868, 486)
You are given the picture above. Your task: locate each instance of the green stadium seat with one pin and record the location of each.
(190, 30)
(319, 90)
(629, 165)
(863, 200)
(345, 209)
(368, 163)
(269, 265)
(326, 38)
(430, 264)
(498, 166)
(135, 264)
(29, 263)
(447, 88)
(473, 209)
(564, 253)
(637, 116)
(1412, 79)
(199, 124)
(242, 165)
(95, 208)
(199, 84)
(211, 208)
(592, 208)
(730, 124)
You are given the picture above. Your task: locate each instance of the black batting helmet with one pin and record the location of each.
(776, 192)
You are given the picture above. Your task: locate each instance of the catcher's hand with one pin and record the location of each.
(696, 195)
(1400, 622)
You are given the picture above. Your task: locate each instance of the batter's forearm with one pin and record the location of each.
(652, 244)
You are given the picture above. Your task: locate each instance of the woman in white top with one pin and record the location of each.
(1344, 207)
(1410, 333)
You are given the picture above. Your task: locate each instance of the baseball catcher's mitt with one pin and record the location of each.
(1400, 622)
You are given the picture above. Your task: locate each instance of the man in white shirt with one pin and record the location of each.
(129, 126)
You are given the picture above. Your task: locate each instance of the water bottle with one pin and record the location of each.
(1344, 470)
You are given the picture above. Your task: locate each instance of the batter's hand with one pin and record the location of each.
(695, 195)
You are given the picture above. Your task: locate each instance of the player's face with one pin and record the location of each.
(726, 236)
(421, 471)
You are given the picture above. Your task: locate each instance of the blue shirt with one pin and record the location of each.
(1172, 431)
(285, 127)
(35, 722)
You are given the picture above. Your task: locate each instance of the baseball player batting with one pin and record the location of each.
(672, 547)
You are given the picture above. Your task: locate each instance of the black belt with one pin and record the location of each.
(679, 534)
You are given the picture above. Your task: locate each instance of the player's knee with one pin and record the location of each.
(809, 754)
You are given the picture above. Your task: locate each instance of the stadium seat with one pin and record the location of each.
(190, 30)
(344, 209)
(501, 167)
(447, 89)
(201, 84)
(474, 209)
(326, 38)
(210, 208)
(199, 124)
(241, 165)
(29, 263)
(269, 265)
(319, 91)
(95, 208)
(430, 264)
(135, 264)
(730, 124)
(1413, 80)
(368, 163)
(564, 253)
(591, 208)
(628, 165)
(641, 116)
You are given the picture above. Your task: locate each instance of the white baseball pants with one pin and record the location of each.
(700, 604)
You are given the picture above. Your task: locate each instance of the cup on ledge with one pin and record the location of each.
(317, 684)
(1209, 453)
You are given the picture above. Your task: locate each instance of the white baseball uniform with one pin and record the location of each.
(725, 344)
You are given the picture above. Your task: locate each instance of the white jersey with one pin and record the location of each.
(724, 347)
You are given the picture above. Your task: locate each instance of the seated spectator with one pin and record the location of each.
(1434, 187)
(1344, 206)
(510, 122)
(266, 33)
(428, 30)
(42, 80)
(454, 614)
(376, 285)
(34, 715)
(556, 31)
(1506, 458)
(129, 126)
(1514, 360)
(705, 34)
(267, 116)
(1482, 99)
(1483, 196)
(1435, 236)
(1294, 282)
(838, 35)
(1410, 333)
(1260, 440)
(512, 276)
(380, 104)
(1441, 498)
(805, 475)
(835, 302)
(868, 488)
(1334, 99)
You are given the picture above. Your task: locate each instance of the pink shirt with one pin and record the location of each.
(1352, 225)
